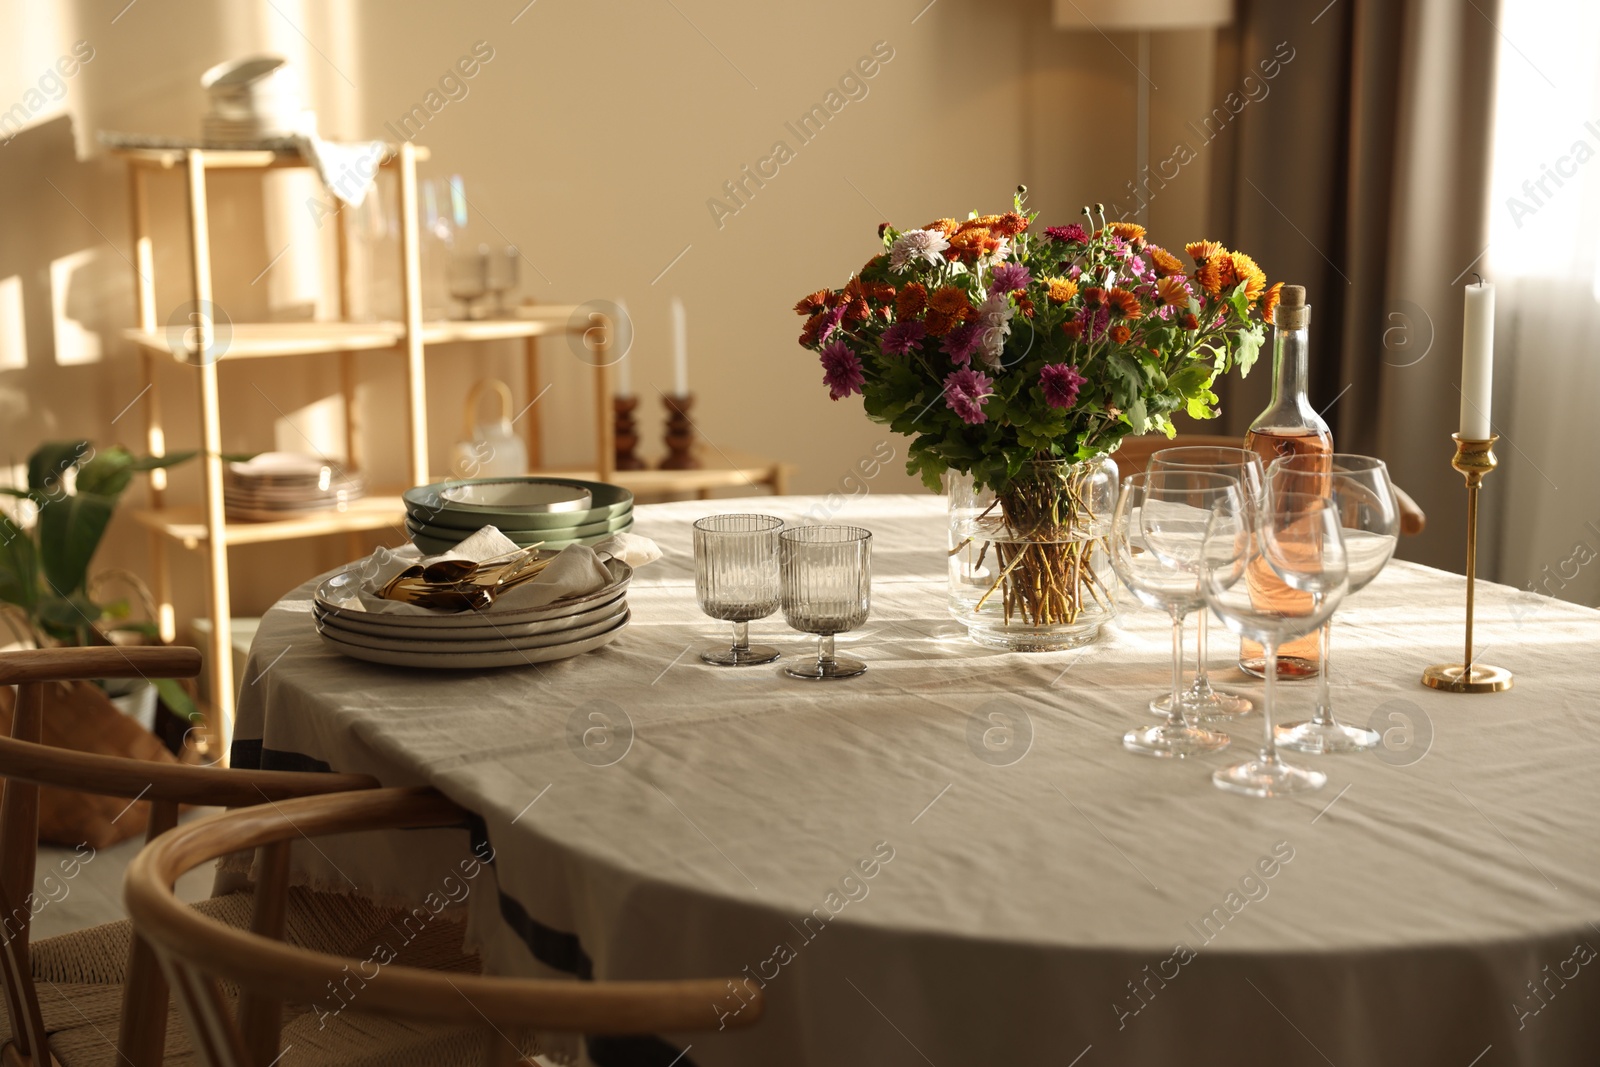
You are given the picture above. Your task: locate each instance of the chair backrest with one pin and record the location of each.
(200, 953)
(1133, 457)
(26, 765)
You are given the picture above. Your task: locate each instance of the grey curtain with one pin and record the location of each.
(1363, 174)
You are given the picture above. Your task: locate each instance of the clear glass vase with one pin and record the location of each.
(1030, 567)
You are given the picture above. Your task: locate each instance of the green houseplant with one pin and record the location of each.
(44, 568)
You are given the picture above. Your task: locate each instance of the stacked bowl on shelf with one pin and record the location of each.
(552, 512)
(281, 485)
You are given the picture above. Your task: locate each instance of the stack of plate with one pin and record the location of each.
(280, 485)
(473, 639)
(554, 512)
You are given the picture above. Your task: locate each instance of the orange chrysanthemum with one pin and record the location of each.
(1200, 251)
(949, 300)
(911, 301)
(1166, 263)
(1072, 328)
(813, 303)
(1189, 321)
(968, 244)
(1128, 231)
(813, 329)
(1120, 334)
(1217, 274)
(1254, 278)
(939, 323)
(1270, 304)
(1025, 305)
(1094, 297)
(944, 226)
(1011, 223)
(1124, 304)
(1173, 291)
(1061, 289)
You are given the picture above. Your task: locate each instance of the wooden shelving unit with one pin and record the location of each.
(204, 527)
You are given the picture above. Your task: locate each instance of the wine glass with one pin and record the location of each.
(1158, 535)
(1295, 537)
(1208, 703)
(1369, 518)
(736, 579)
(827, 590)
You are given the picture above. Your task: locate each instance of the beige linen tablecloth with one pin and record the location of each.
(952, 861)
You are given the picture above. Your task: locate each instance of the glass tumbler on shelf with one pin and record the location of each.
(1206, 701)
(1295, 539)
(736, 579)
(469, 278)
(827, 590)
(1369, 519)
(1158, 536)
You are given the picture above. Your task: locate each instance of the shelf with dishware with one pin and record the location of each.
(256, 340)
(187, 524)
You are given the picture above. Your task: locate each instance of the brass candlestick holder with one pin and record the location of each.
(625, 433)
(680, 435)
(1473, 459)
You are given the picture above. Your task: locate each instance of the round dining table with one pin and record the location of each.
(952, 860)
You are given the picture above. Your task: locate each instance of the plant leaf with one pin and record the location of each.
(1250, 340)
(70, 530)
(107, 474)
(19, 567)
(176, 698)
(51, 460)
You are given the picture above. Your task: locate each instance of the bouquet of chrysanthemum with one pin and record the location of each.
(994, 346)
(998, 350)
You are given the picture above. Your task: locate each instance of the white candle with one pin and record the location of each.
(1477, 362)
(680, 350)
(621, 335)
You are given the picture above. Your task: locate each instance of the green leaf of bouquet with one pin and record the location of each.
(51, 460)
(1250, 339)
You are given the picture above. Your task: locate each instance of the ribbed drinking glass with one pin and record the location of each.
(736, 578)
(827, 590)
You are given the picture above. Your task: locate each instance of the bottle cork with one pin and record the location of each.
(1292, 312)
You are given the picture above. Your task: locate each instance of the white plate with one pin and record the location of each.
(478, 660)
(491, 642)
(520, 494)
(342, 584)
(473, 627)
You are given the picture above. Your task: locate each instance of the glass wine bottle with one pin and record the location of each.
(1289, 426)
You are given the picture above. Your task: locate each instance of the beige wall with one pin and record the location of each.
(593, 140)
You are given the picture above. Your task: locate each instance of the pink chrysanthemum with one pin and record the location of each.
(1092, 321)
(963, 341)
(965, 393)
(841, 370)
(902, 337)
(1009, 277)
(1061, 383)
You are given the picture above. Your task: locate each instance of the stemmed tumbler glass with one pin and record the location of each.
(1362, 495)
(1295, 537)
(827, 590)
(1159, 534)
(1244, 465)
(736, 578)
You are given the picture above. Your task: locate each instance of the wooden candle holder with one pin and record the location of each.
(680, 435)
(625, 434)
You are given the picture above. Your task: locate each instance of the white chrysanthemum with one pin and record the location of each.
(916, 245)
(998, 256)
(995, 315)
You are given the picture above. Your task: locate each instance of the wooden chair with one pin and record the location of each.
(103, 980)
(1134, 456)
(468, 1014)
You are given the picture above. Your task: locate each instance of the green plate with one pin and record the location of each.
(432, 546)
(525, 537)
(610, 502)
(460, 520)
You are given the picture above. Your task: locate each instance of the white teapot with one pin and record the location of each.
(491, 449)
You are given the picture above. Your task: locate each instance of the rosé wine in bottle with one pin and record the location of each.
(1289, 426)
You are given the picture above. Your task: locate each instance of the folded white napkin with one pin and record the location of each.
(575, 571)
